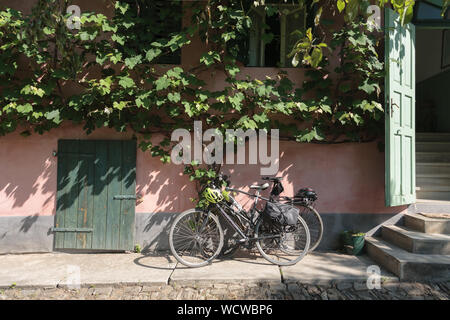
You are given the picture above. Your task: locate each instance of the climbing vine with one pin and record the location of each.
(114, 72)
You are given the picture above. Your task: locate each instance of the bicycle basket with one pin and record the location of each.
(281, 213)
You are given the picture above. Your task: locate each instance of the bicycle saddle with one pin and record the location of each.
(260, 186)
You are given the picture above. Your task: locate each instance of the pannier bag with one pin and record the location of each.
(281, 213)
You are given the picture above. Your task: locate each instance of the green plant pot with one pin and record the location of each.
(353, 242)
(358, 244)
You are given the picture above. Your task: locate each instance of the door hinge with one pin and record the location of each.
(55, 229)
(124, 197)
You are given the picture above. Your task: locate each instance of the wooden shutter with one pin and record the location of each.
(400, 110)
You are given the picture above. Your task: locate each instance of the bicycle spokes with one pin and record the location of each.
(196, 238)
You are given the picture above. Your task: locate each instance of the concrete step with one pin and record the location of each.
(434, 146)
(406, 265)
(432, 136)
(429, 206)
(432, 187)
(424, 224)
(434, 180)
(416, 242)
(433, 195)
(432, 157)
(433, 168)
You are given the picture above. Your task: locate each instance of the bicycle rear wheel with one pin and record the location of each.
(196, 238)
(290, 245)
(314, 222)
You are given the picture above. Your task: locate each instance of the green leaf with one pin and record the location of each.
(316, 57)
(120, 105)
(174, 97)
(162, 83)
(209, 58)
(126, 82)
(341, 5)
(133, 61)
(152, 54)
(24, 108)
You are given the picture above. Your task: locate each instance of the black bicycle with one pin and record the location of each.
(196, 237)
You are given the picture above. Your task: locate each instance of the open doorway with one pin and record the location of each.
(432, 115)
(432, 101)
(432, 80)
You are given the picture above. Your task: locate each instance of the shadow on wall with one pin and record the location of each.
(28, 222)
(152, 230)
(28, 179)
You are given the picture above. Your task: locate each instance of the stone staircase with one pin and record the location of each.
(417, 248)
(433, 166)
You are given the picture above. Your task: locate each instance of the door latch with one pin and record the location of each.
(392, 106)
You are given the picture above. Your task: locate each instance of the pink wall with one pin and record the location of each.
(349, 178)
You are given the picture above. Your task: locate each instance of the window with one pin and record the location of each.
(153, 24)
(272, 37)
(430, 12)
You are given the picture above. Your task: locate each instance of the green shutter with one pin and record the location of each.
(400, 110)
(96, 195)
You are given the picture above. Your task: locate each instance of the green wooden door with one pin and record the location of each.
(400, 111)
(96, 195)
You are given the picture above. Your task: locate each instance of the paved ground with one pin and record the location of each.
(240, 291)
(62, 269)
(248, 276)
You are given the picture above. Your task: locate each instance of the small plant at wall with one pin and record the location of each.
(137, 248)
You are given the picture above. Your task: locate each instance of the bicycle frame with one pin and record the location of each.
(252, 220)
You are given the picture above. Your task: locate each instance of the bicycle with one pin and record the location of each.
(196, 236)
(304, 199)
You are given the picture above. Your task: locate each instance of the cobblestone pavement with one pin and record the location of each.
(241, 291)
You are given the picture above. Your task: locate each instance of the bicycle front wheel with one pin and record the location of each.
(283, 246)
(196, 238)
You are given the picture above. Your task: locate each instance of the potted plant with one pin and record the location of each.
(353, 241)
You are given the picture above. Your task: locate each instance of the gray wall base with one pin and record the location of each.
(32, 233)
(152, 230)
(26, 234)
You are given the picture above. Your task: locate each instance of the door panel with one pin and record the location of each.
(91, 174)
(400, 110)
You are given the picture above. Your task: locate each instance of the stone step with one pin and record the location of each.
(406, 265)
(433, 195)
(433, 168)
(432, 180)
(424, 224)
(432, 157)
(429, 206)
(432, 136)
(416, 242)
(432, 187)
(433, 146)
